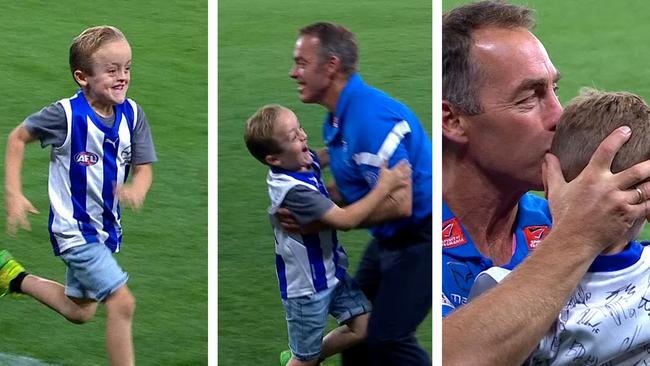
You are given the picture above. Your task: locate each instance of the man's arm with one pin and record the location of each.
(17, 205)
(323, 157)
(398, 205)
(349, 217)
(502, 326)
(134, 193)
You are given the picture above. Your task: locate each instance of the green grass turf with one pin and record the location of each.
(599, 44)
(255, 54)
(165, 245)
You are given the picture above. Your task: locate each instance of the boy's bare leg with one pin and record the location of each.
(345, 336)
(52, 294)
(120, 307)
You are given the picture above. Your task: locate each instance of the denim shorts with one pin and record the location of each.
(307, 315)
(92, 272)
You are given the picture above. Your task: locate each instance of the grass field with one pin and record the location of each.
(597, 44)
(165, 245)
(255, 55)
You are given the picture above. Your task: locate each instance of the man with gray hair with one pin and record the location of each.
(365, 127)
(499, 114)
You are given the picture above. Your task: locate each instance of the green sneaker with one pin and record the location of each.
(9, 269)
(285, 356)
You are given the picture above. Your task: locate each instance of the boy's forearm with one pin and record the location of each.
(352, 215)
(142, 178)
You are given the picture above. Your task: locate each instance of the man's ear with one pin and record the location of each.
(80, 77)
(334, 65)
(453, 128)
(272, 160)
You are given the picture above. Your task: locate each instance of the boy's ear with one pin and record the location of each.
(272, 160)
(80, 77)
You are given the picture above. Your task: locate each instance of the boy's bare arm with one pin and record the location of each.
(133, 194)
(16, 204)
(390, 181)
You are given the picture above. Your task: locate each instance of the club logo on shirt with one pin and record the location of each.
(126, 156)
(452, 234)
(371, 178)
(86, 158)
(535, 234)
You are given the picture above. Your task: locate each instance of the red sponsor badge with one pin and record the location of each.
(452, 234)
(535, 234)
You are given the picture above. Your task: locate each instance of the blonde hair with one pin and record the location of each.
(259, 132)
(592, 116)
(87, 43)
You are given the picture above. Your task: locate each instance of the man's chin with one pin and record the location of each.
(306, 98)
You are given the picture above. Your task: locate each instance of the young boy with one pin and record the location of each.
(606, 320)
(98, 137)
(311, 268)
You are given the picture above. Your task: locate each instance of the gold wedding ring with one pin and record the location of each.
(641, 198)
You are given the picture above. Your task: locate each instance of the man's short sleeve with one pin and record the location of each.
(49, 125)
(306, 205)
(143, 150)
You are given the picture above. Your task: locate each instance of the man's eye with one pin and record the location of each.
(526, 100)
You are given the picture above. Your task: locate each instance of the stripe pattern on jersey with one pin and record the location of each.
(305, 263)
(388, 147)
(84, 172)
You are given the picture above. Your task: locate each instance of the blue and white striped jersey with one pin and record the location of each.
(305, 263)
(84, 172)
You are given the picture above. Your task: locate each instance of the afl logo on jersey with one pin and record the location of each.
(85, 158)
(452, 234)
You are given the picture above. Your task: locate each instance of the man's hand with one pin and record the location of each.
(289, 223)
(397, 177)
(597, 195)
(18, 206)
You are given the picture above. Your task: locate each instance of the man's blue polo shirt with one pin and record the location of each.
(370, 127)
(462, 262)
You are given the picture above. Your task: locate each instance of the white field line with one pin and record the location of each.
(17, 360)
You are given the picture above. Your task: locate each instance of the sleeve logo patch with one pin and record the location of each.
(535, 234)
(452, 234)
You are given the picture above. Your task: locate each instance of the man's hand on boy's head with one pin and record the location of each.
(597, 195)
(18, 206)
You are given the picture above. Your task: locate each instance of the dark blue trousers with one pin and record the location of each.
(395, 274)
